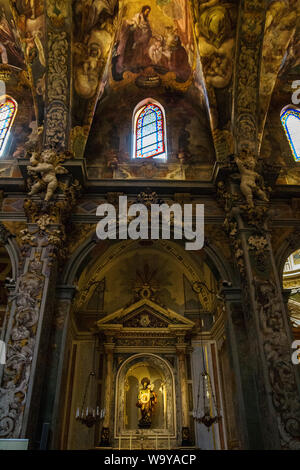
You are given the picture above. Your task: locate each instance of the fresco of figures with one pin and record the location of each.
(10, 48)
(155, 34)
(29, 18)
(215, 23)
(93, 35)
(31, 24)
(280, 44)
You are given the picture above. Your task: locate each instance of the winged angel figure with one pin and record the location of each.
(47, 164)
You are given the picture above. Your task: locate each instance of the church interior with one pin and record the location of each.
(141, 343)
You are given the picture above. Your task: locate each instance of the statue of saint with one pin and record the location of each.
(147, 400)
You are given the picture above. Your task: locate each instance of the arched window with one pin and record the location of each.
(8, 111)
(290, 118)
(149, 131)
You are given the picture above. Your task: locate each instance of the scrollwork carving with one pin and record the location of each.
(281, 375)
(20, 350)
(57, 113)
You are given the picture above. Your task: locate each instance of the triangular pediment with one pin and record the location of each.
(145, 314)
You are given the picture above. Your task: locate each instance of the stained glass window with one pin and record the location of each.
(290, 118)
(150, 132)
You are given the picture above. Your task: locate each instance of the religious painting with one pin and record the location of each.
(93, 33)
(215, 31)
(31, 23)
(155, 35)
(10, 48)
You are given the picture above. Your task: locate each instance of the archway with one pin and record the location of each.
(170, 277)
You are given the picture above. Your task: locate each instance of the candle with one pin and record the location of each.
(120, 443)
(156, 442)
(130, 442)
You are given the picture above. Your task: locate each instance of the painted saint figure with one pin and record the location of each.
(132, 50)
(147, 399)
(139, 47)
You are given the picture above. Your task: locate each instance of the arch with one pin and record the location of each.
(290, 119)
(8, 111)
(161, 363)
(219, 266)
(149, 130)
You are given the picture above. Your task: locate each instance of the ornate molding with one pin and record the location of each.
(13, 391)
(246, 105)
(57, 106)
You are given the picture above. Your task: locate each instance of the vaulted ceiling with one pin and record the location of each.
(222, 70)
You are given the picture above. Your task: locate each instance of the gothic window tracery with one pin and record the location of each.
(150, 132)
(290, 119)
(8, 111)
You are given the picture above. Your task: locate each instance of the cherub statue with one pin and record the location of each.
(250, 180)
(47, 165)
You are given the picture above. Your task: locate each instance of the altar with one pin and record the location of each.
(146, 392)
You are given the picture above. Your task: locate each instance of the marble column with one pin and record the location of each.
(181, 352)
(105, 432)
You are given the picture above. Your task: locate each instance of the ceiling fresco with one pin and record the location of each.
(10, 47)
(15, 82)
(154, 39)
(280, 29)
(275, 147)
(177, 52)
(29, 18)
(215, 31)
(154, 55)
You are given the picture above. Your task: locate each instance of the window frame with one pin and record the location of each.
(285, 113)
(3, 100)
(136, 114)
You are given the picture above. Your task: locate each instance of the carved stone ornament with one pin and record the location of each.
(44, 168)
(20, 351)
(281, 374)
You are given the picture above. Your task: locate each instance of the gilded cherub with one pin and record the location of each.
(250, 179)
(47, 165)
